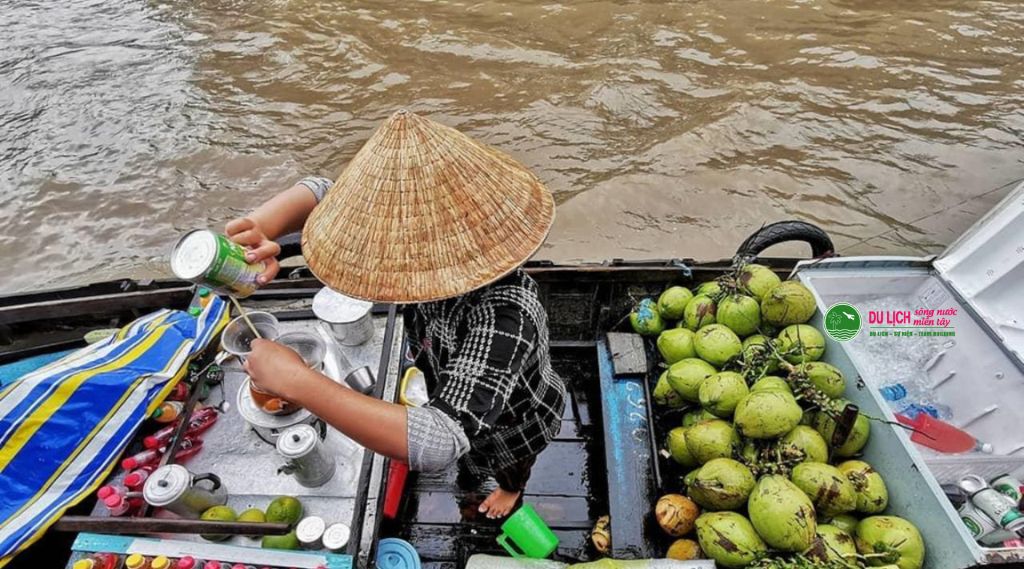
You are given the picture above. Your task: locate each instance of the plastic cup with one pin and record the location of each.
(237, 336)
(525, 534)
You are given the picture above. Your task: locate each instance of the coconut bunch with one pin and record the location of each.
(765, 484)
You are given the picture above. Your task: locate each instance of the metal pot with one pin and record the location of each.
(175, 489)
(348, 319)
(306, 458)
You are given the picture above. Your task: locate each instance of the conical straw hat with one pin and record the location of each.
(422, 213)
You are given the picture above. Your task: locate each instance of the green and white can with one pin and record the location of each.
(978, 523)
(214, 261)
(1008, 486)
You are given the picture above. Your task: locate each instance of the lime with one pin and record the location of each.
(284, 510)
(218, 514)
(253, 515)
(286, 541)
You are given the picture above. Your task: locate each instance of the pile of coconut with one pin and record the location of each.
(765, 485)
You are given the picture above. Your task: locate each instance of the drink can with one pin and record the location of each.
(310, 532)
(214, 261)
(1007, 485)
(978, 524)
(998, 507)
(336, 537)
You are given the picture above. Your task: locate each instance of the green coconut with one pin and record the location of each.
(767, 414)
(855, 441)
(676, 344)
(771, 383)
(872, 494)
(690, 477)
(665, 395)
(717, 344)
(672, 302)
(834, 544)
(699, 312)
(845, 522)
(729, 539)
(749, 452)
(801, 343)
(740, 313)
(896, 538)
(645, 318)
(758, 356)
(825, 377)
(722, 484)
(712, 439)
(721, 392)
(808, 441)
(691, 418)
(782, 514)
(676, 444)
(788, 303)
(757, 280)
(686, 376)
(829, 490)
(710, 288)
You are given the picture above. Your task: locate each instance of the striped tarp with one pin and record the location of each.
(63, 426)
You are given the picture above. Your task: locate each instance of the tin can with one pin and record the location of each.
(978, 524)
(1008, 486)
(306, 460)
(214, 261)
(336, 537)
(348, 319)
(310, 532)
(1001, 509)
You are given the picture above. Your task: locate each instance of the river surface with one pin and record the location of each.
(664, 129)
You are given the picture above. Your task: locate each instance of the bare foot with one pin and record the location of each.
(499, 503)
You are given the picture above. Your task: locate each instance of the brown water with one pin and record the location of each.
(664, 129)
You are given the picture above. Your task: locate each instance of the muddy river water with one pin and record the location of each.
(664, 129)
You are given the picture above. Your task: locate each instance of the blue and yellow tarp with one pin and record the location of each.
(63, 426)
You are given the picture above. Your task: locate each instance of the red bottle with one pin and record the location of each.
(137, 478)
(118, 505)
(144, 458)
(201, 420)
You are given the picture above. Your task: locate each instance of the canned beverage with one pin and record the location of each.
(212, 260)
(336, 537)
(310, 532)
(978, 524)
(1008, 486)
(1000, 508)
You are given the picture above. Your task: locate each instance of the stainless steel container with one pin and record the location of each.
(310, 532)
(336, 537)
(175, 489)
(306, 460)
(361, 379)
(348, 319)
(268, 427)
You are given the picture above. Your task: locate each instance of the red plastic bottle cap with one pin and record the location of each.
(150, 442)
(132, 479)
(104, 492)
(212, 565)
(112, 501)
(129, 463)
(186, 563)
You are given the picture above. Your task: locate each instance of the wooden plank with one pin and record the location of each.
(629, 356)
(132, 526)
(95, 305)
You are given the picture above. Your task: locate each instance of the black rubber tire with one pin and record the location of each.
(783, 231)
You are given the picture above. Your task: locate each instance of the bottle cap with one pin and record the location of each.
(212, 565)
(161, 562)
(203, 291)
(84, 564)
(104, 492)
(195, 310)
(186, 563)
(129, 463)
(134, 561)
(132, 479)
(113, 501)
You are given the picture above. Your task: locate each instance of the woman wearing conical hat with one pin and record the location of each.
(426, 217)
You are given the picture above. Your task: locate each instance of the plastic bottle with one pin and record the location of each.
(186, 562)
(188, 448)
(200, 421)
(907, 399)
(118, 505)
(135, 479)
(98, 561)
(168, 412)
(136, 561)
(213, 565)
(144, 458)
(111, 490)
(160, 562)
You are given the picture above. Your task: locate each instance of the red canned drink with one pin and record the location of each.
(214, 261)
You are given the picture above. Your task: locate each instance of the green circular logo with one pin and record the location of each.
(842, 322)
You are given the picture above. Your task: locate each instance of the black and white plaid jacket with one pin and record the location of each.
(486, 357)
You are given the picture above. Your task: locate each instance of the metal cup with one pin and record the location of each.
(238, 336)
(361, 379)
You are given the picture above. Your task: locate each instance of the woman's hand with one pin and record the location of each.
(277, 369)
(245, 231)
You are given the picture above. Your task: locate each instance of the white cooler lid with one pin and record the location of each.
(986, 267)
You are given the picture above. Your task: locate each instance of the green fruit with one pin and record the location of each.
(757, 280)
(252, 515)
(767, 414)
(729, 539)
(665, 396)
(676, 344)
(722, 484)
(218, 514)
(710, 288)
(845, 522)
(284, 510)
(825, 377)
(699, 312)
(808, 441)
(686, 375)
(690, 477)
(758, 356)
(286, 541)
(712, 439)
(677, 447)
(872, 495)
(672, 302)
(855, 441)
(739, 313)
(691, 418)
(788, 303)
(834, 544)
(782, 514)
(893, 536)
(645, 318)
(721, 392)
(771, 383)
(800, 343)
(717, 344)
(829, 490)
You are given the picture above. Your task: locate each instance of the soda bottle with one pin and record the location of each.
(98, 561)
(135, 479)
(168, 412)
(160, 562)
(213, 565)
(200, 421)
(111, 490)
(908, 399)
(136, 561)
(118, 505)
(189, 447)
(186, 562)
(144, 458)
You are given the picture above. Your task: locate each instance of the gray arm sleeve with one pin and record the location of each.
(318, 185)
(435, 440)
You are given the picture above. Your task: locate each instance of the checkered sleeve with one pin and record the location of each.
(483, 371)
(318, 185)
